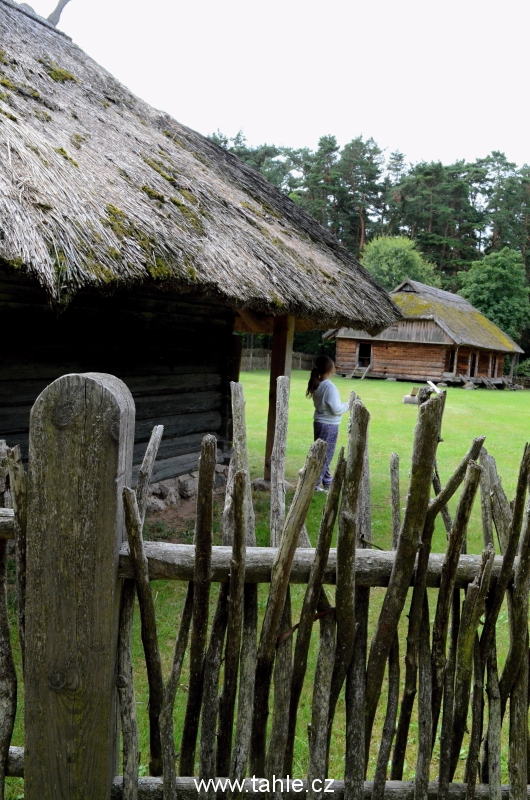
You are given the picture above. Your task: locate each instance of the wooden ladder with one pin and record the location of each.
(359, 371)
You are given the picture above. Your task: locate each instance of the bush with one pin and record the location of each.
(522, 370)
(393, 259)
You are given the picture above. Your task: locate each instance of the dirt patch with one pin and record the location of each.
(176, 523)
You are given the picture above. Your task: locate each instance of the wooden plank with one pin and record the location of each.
(171, 467)
(14, 369)
(80, 458)
(169, 404)
(179, 424)
(17, 392)
(281, 361)
(175, 446)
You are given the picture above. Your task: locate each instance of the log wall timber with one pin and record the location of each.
(176, 355)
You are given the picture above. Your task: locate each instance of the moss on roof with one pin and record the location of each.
(458, 318)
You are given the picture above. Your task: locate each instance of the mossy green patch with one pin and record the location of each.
(159, 167)
(8, 83)
(27, 90)
(62, 152)
(117, 220)
(43, 206)
(153, 194)
(77, 140)
(190, 197)
(3, 57)
(270, 210)
(16, 263)
(173, 138)
(57, 73)
(122, 226)
(60, 263)
(35, 149)
(102, 273)
(114, 254)
(192, 272)
(8, 115)
(4, 97)
(160, 270)
(251, 208)
(42, 115)
(263, 211)
(189, 215)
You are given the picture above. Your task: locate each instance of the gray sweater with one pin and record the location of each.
(328, 406)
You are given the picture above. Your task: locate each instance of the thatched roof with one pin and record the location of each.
(98, 189)
(455, 316)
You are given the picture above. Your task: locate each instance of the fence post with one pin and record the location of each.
(80, 457)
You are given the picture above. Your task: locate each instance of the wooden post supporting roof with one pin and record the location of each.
(281, 361)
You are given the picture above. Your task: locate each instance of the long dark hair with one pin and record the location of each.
(323, 366)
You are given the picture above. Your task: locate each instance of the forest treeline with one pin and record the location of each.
(456, 213)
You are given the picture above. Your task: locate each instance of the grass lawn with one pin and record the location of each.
(504, 417)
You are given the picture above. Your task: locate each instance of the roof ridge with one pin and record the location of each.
(35, 17)
(433, 291)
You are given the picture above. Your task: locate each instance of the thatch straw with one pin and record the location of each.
(98, 189)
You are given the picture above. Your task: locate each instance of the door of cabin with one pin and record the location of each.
(473, 365)
(364, 358)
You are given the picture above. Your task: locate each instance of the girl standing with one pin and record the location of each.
(328, 412)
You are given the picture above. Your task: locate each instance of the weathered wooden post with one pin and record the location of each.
(80, 457)
(281, 363)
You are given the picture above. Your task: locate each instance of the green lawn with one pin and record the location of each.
(504, 417)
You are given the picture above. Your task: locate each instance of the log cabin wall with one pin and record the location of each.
(484, 363)
(408, 360)
(345, 355)
(174, 353)
(464, 354)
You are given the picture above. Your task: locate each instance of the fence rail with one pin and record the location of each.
(241, 717)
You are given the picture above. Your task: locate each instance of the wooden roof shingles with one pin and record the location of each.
(98, 189)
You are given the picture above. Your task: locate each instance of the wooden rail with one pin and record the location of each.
(372, 567)
(153, 788)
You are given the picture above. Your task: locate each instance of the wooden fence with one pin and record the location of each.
(261, 359)
(77, 581)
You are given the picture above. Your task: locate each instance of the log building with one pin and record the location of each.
(441, 337)
(132, 245)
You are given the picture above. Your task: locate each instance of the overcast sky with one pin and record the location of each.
(436, 80)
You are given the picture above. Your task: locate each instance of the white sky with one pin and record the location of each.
(436, 80)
